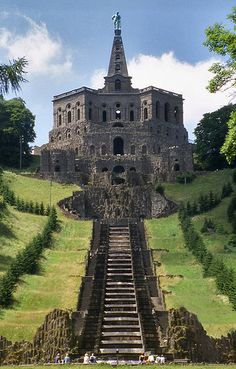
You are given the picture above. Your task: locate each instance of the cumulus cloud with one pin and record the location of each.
(169, 73)
(44, 53)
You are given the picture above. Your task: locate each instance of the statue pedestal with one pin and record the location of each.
(117, 32)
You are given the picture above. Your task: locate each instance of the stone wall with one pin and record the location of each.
(185, 338)
(188, 339)
(53, 336)
(118, 202)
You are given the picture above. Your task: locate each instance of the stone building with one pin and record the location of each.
(117, 134)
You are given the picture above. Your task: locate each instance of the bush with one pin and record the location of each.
(186, 177)
(160, 189)
(27, 261)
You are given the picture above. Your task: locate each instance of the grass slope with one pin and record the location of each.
(210, 181)
(181, 276)
(58, 284)
(16, 230)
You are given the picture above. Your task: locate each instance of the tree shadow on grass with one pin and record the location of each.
(6, 231)
(5, 261)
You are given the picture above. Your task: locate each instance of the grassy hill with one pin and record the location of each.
(181, 275)
(63, 265)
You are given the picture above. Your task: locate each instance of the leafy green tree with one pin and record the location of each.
(16, 132)
(210, 135)
(229, 146)
(11, 75)
(222, 41)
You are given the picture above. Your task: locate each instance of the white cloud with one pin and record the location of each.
(169, 73)
(44, 53)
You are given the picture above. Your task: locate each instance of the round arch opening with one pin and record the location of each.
(118, 146)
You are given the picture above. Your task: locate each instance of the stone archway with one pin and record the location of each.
(118, 146)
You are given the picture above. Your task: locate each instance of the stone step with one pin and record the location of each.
(117, 299)
(120, 327)
(127, 319)
(121, 334)
(121, 350)
(116, 342)
(120, 314)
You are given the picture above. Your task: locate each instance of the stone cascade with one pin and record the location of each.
(121, 329)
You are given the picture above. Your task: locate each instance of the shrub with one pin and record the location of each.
(186, 177)
(160, 189)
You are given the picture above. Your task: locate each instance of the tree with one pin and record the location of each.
(210, 135)
(223, 42)
(229, 146)
(16, 132)
(12, 75)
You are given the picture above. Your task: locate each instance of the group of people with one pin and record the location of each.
(90, 359)
(59, 359)
(151, 359)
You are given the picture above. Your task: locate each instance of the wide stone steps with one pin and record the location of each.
(121, 327)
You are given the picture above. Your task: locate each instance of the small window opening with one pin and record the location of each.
(117, 84)
(145, 113)
(69, 117)
(104, 116)
(78, 114)
(144, 149)
(59, 119)
(131, 115)
(132, 150)
(90, 114)
(167, 112)
(118, 114)
(103, 150)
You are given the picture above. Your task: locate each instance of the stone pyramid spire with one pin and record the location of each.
(117, 63)
(117, 79)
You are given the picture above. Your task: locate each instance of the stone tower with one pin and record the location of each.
(117, 134)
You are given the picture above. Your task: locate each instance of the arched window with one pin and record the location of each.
(104, 116)
(117, 67)
(167, 112)
(145, 113)
(78, 114)
(59, 136)
(69, 117)
(117, 84)
(92, 150)
(76, 151)
(52, 139)
(90, 114)
(68, 134)
(118, 114)
(118, 146)
(59, 120)
(104, 150)
(57, 168)
(132, 169)
(176, 114)
(132, 150)
(131, 115)
(144, 150)
(176, 167)
(157, 109)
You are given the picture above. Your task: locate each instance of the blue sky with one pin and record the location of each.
(68, 44)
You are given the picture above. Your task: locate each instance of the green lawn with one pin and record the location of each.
(182, 281)
(57, 285)
(211, 181)
(38, 189)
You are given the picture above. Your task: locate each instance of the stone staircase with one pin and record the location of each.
(121, 329)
